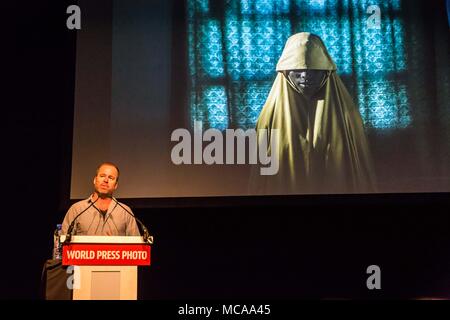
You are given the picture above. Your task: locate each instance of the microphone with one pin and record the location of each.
(72, 224)
(147, 237)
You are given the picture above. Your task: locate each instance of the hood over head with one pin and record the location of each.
(305, 51)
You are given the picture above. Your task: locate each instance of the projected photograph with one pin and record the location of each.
(202, 98)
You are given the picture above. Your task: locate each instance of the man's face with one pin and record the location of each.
(105, 182)
(308, 82)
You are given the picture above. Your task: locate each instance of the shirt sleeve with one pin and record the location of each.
(68, 219)
(131, 225)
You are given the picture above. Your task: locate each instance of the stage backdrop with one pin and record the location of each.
(146, 68)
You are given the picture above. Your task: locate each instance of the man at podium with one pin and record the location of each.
(110, 273)
(101, 214)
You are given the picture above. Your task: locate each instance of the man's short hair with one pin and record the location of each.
(108, 164)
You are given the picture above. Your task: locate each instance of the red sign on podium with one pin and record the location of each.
(95, 254)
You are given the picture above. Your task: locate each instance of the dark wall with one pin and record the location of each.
(272, 248)
(37, 139)
(315, 247)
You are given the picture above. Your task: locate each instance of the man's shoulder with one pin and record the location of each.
(79, 204)
(124, 205)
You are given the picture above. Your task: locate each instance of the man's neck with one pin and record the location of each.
(102, 201)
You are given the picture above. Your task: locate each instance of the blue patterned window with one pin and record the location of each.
(234, 46)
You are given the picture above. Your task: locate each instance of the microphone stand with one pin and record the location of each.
(147, 237)
(72, 224)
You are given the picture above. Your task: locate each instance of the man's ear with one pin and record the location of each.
(117, 184)
(93, 180)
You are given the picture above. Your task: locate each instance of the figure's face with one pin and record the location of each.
(105, 182)
(308, 81)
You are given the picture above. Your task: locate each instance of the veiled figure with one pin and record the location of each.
(322, 146)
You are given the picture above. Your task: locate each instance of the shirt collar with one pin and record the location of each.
(91, 197)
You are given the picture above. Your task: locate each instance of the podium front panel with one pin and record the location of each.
(105, 283)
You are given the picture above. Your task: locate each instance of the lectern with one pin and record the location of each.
(105, 267)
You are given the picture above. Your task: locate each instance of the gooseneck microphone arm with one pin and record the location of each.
(72, 224)
(147, 237)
